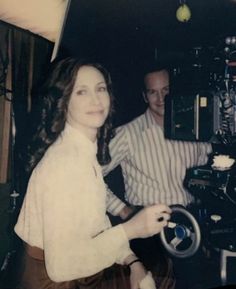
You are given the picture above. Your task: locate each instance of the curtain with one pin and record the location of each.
(23, 60)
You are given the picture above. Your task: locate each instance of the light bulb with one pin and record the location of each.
(183, 13)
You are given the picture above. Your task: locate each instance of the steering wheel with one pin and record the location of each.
(182, 236)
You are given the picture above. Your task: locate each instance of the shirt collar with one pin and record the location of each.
(80, 140)
(149, 120)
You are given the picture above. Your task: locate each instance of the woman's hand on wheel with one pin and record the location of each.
(148, 222)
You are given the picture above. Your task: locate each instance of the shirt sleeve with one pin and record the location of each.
(113, 203)
(205, 150)
(118, 149)
(68, 208)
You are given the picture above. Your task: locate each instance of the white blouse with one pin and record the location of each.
(64, 211)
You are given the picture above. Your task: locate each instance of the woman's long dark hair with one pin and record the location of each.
(54, 98)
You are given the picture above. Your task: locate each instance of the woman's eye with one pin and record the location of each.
(81, 92)
(102, 88)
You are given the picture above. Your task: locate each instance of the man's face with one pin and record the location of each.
(157, 87)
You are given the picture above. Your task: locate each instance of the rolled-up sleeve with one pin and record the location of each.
(113, 203)
(118, 149)
(205, 149)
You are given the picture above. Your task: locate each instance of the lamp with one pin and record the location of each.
(183, 13)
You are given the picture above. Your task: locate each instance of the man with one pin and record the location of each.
(153, 167)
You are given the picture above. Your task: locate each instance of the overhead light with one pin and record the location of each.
(183, 13)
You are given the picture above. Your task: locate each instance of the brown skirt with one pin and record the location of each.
(34, 276)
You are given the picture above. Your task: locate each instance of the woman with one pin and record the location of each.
(68, 238)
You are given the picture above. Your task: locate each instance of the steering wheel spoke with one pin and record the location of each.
(171, 225)
(175, 242)
(192, 236)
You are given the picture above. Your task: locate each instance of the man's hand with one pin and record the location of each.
(126, 212)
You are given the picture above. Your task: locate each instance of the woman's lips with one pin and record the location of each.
(95, 112)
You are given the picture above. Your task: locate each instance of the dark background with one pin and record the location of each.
(126, 34)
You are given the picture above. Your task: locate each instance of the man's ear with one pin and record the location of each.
(145, 97)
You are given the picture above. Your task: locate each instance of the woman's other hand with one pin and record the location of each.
(137, 274)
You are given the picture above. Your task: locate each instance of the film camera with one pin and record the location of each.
(206, 111)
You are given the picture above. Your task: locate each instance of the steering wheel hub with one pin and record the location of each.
(180, 232)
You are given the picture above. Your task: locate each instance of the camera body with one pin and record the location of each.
(202, 107)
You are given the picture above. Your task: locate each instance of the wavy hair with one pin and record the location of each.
(54, 97)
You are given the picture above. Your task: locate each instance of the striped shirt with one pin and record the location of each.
(153, 167)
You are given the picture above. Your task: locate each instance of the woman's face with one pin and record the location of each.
(89, 102)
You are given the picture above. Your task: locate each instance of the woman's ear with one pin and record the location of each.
(145, 97)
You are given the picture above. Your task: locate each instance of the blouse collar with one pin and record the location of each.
(80, 139)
